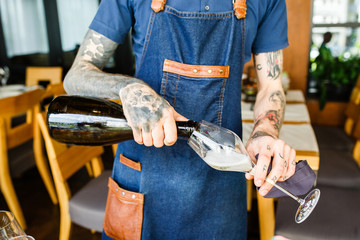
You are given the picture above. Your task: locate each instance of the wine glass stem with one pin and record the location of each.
(299, 200)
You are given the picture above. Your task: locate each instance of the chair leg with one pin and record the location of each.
(89, 169)
(249, 194)
(7, 188)
(266, 211)
(114, 148)
(41, 164)
(65, 225)
(46, 177)
(356, 152)
(97, 166)
(6, 185)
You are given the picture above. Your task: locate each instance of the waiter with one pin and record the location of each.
(189, 62)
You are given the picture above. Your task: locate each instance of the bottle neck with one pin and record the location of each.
(186, 128)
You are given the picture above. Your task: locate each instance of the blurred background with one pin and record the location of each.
(322, 63)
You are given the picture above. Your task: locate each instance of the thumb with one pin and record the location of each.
(179, 117)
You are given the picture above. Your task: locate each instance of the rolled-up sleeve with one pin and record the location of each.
(113, 19)
(272, 32)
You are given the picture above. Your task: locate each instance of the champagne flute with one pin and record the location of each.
(307, 204)
(9, 226)
(223, 150)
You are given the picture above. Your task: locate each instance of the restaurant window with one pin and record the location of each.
(24, 27)
(335, 33)
(74, 19)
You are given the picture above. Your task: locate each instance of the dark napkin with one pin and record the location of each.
(298, 184)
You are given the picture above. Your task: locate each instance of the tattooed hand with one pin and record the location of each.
(266, 147)
(151, 117)
(269, 112)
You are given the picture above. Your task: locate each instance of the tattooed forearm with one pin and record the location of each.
(257, 65)
(95, 49)
(261, 134)
(274, 61)
(278, 99)
(273, 117)
(86, 76)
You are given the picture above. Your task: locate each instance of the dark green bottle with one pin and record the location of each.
(92, 121)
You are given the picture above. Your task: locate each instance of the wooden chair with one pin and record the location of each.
(353, 109)
(34, 75)
(48, 77)
(11, 137)
(330, 137)
(356, 151)
(339, 183)
(114, 148)
(87, 207)
(338, 155)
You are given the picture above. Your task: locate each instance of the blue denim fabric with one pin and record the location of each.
(184, 197)
(266, 21)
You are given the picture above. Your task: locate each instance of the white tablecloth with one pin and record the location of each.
(298, 136)
(13, 90)
(292, 96)
(293, 113)
(295, 96)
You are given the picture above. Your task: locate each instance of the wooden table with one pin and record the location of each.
(294, 113)
(296, 132)
(15, 101)
(14, 90)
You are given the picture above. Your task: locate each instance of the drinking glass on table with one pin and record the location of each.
(23, 238)
(4, 75)
(9, 226)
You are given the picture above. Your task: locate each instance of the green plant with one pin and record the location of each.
(333, 72)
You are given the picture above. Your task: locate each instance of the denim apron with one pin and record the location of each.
(183, 197)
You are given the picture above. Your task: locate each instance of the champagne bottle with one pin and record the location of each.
(94, 121)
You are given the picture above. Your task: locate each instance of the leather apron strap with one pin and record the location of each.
(158, 5)
(239, 7)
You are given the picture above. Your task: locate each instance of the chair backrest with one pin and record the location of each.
(356, 135)
(51, 75)
(13, 106)
(65, 161)
(352, 111)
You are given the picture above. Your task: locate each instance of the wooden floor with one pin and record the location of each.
(43, 217)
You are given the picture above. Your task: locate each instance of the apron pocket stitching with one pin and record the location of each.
(177, 84)
(147, 39)
(163, 84)
(130, 163)
(123, 213)
(221, 101)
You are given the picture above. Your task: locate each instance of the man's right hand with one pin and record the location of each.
(150, 116)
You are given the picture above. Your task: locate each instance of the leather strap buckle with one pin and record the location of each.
(240, 8)
(158, 5)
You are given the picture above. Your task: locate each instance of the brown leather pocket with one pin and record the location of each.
(123, 213)
(130, 163)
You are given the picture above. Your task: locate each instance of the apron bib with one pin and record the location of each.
(195, 61)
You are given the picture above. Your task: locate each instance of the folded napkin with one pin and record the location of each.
(298, 184)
